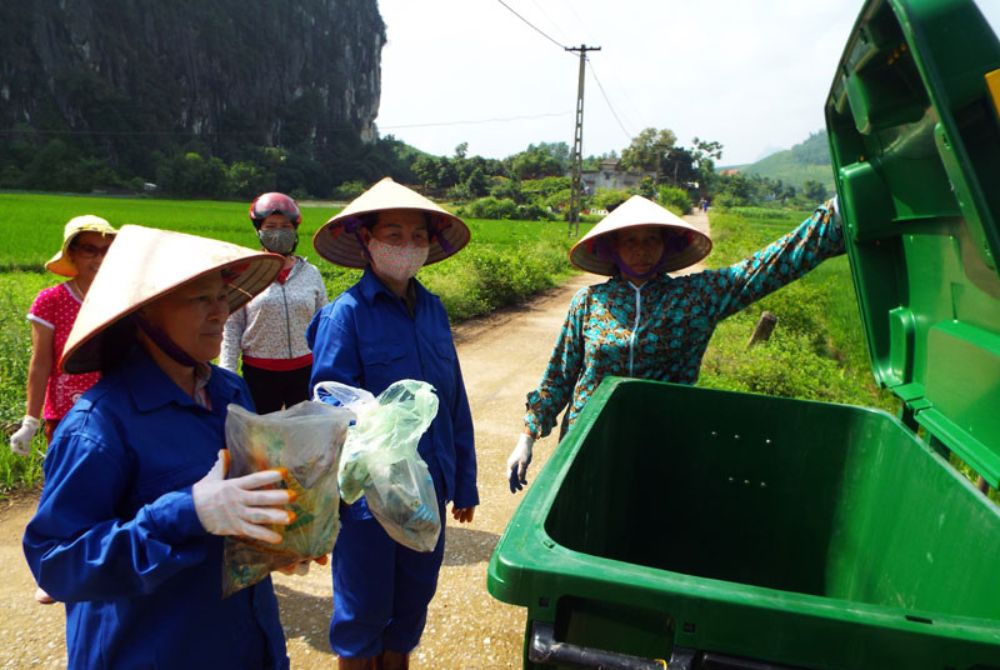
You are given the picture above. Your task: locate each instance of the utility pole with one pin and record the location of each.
(577, 167)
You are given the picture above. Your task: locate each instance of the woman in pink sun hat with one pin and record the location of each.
(51, 392)
(644, 323)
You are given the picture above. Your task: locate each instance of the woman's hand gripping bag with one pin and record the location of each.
(381, 461)
(306, 440)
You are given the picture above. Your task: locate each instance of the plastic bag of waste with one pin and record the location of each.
(380, 459)
(305, 439)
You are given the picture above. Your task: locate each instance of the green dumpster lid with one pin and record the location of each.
(914, 123)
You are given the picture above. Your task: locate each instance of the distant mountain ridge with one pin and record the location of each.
(808, 160)
(128, 83)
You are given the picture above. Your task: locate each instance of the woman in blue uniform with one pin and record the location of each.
(385, 328)
(128, 528)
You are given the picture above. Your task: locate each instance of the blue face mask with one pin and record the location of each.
(279, 240)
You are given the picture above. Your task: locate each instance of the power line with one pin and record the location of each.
(531, 25)
(593, 72)
(544, 13)
(474, 122)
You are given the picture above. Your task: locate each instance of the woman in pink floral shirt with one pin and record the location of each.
(51, 392)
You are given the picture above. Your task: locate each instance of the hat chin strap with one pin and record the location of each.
(163, 341)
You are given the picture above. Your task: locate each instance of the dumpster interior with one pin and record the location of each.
(820, 499)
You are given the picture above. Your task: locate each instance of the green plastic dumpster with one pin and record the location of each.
(708, 529)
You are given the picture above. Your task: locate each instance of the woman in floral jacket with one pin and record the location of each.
(647, 324)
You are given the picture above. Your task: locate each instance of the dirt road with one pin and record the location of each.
(502, 357)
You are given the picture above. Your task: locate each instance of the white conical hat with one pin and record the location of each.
(335, 243)
(690, 246)
(144, 264)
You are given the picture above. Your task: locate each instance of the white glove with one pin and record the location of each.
(518, 461)
(20, 441)
(237, 507)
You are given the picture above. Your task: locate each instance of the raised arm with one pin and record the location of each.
(783, 261)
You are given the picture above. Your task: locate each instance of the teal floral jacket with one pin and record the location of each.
(660, 330)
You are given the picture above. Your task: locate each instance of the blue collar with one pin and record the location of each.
(371, 286)
(151, 388)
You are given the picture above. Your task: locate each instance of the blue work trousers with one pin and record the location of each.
(381, 589)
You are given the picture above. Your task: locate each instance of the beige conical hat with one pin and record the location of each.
(336, 242)
(88, 223)
(688, 246)
(144, 264)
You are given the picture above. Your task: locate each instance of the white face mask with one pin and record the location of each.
(399, 263)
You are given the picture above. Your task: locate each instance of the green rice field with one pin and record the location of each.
(505, 263)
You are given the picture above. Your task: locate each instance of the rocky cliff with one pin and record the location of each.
(130, 76)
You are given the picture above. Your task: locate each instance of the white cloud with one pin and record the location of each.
(752, 75)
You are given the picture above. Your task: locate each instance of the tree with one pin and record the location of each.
(247, 180)
(677, 168)
(648, 150)
(536, 162)
(476, 184)
(704, 155)
(814, 190)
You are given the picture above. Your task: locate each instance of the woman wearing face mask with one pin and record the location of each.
(269, 330)
(385, 328)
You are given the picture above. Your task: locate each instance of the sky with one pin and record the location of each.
(751, 74)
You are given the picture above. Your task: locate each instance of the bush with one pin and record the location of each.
(675, 199)
(557, 202)
(545, 186)
(349, 190)
(490, 208)
(533, 212)
(608, 199)
(484, 280)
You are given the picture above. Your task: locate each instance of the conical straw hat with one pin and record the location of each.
(88, 223)
(144, 264)
(687, 247)
(336, 242)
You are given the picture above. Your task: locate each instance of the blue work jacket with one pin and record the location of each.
(367, 338)
(117, 539)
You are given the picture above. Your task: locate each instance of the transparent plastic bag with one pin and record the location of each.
(380, 459)
(306, 439)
